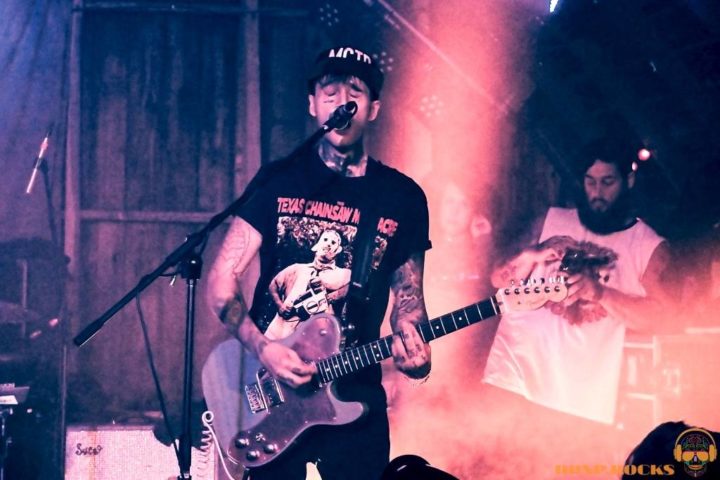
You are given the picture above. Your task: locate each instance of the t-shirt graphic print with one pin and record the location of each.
(315, 243)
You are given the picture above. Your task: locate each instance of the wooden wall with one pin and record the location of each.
(164, 131)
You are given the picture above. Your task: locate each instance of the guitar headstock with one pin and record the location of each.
(532, 294)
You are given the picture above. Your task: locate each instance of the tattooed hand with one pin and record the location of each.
(410, 353)
(284, 363)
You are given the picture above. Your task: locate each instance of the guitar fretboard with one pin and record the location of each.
(354, 359)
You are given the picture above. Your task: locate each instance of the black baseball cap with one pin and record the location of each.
(347, 61)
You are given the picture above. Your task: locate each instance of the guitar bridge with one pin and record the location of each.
(263, 394)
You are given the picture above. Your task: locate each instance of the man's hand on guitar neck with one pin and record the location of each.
(410, 353)
(284, 363)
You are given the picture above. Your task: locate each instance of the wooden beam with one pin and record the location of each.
(206, 8)
(72, 158)
(144, 216)
(71, 228)
(248, 132)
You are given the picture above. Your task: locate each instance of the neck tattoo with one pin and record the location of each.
(350, 164)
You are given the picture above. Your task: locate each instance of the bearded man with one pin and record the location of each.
(556, 370)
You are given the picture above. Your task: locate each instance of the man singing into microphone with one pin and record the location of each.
(381, 217)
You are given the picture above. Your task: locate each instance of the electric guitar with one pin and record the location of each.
(257, 418)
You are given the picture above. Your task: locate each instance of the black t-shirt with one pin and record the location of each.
(308, 216)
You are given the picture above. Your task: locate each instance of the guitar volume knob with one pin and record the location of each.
(270, 448)
(242, 442)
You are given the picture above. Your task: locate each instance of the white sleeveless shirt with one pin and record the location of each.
(571, 368)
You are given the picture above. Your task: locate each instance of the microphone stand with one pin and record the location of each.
(63, 317)
(42, 165)
(48, 199)
(190, 266)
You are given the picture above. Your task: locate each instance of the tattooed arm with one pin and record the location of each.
(410, 353)
(231, 282)
(641, 314)
(232, 279)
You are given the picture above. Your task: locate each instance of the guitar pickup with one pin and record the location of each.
(272, 392)
(255, 398)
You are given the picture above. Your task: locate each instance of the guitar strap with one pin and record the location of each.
(360, 277)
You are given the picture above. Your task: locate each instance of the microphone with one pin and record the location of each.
(39, 160)
(340, 118)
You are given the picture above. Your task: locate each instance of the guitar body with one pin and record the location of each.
(258, 417)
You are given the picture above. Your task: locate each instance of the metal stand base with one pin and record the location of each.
(5, 439)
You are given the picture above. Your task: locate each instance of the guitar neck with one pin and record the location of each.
(357, 358)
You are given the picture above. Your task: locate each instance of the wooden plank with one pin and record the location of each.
(176, 162)
(248, 132)
(217, 130)
(104, 115)
(72, 155)
(145, 216)
(208, 8)
(144, 112)
(72, 208)
(284, 78)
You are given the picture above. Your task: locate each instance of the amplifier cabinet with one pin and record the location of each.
(113, 452)
(674, 377)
